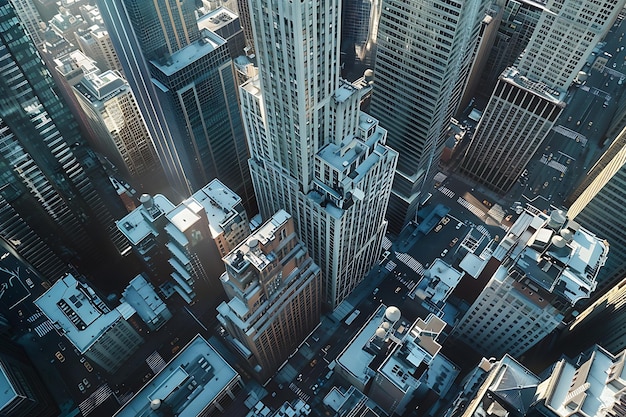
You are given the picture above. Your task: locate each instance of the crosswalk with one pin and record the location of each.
(99, 396)
(386, 243)
(44, 328)
(410, 261)
(475, 210)
(446, 191)
(391, 265)
(304, 397)
(482, 229)
(34, 317)
(155, 362)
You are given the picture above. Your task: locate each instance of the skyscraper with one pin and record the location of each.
(183, 80)
(518, 117)
(52, 184)
(521, 112)
(274, 292)
(548, 265)
(424, 54)
(598, 205)
(313, 152)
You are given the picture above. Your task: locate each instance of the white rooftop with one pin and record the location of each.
(137, 224)
(219, 203)
(207, 43)
(78, 310)
(188, 384)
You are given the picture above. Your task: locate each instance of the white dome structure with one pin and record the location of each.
(381, 333)
(393, 314)
(155, 404)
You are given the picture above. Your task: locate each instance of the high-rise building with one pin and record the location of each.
(313, 152)
(182, 245)
(51, 180)
(528, 98)
(548, 264)
(518, 117)
(31, 20)
(423, 58)
(359, 28)
(95, 42)
(103, 335)
(183, 81)
(121, 134)
(274, 292)
(598, 205)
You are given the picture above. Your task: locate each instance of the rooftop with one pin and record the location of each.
(220, 204)
(138, 224)
(207, 43)
(216, 19)
(513, 76)
(188, 384)
(79, 312)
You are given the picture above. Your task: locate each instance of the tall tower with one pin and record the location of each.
(563, 38)
(313, 152)
(599, 206)
(274, 292)
(424, 54)
(51, 181)
(183, 80)
(548, 265)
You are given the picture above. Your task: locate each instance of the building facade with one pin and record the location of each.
(102, 335)
(423, 58)
(313, 152)
(547, 266)
(183, 80)
(597, 204)
(121, 134)
(274, 292)
(518, 117)
(52, 181)
(95, 42)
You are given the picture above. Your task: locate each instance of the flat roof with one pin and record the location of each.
(90, 317)
(7, 392)
(137, 224)
(219, 203)
(207, 43)
(189, 383)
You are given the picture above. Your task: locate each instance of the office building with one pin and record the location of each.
(423, 58)
(226, 24)
(182, 245)
(95, 42)
(359, 27)
(102, 335)
(51, 180)
(597, 204)
(274, 292)
(590, 384)
(183, 81)
(66, 24)
(31, 20)
(196, 382)
(518, 19)
(518, 117)
(313, 152)
(565, 35)
(351, 402)
(121, 135)
(23, 392)
(508, 389)
(528, 98)
(547, 266)
(394, 361)
(142, 297)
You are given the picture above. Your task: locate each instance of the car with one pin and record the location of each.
(375, 291)
(438, 228)
(88, 366)
(82, 359)
(445, 220)
(508, 218)
(81, 387)
(458, 226)
(61, 346)
(313, 363)
(86, 383)
(456, 239)
(175, 349)
(60, 356)
(30, 283)
(173, 342)
(487, 203)
(445, 251)
(614, 64)
(398, 289)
